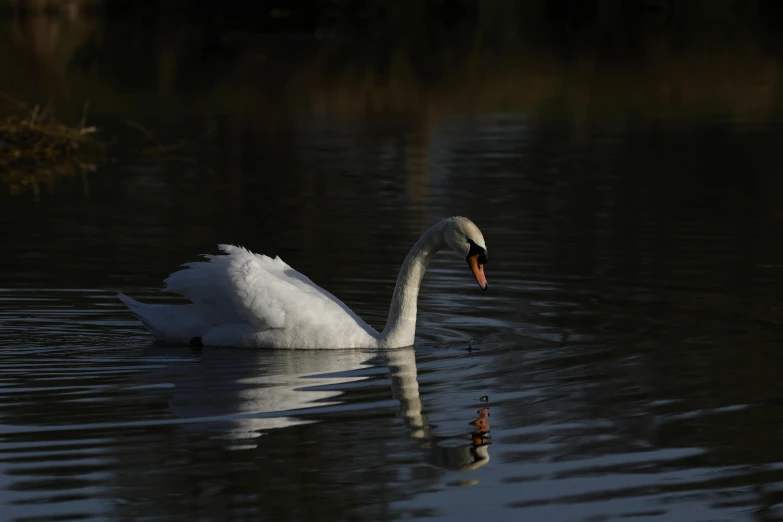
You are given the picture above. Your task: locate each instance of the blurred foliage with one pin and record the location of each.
(214, 66)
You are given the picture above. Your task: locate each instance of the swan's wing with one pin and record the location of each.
(250, 288)
(282, 270)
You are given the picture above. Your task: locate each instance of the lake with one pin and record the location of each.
(624, 364)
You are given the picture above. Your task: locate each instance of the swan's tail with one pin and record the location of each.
(170, 323)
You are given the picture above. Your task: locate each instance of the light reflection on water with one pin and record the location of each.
(628, 347)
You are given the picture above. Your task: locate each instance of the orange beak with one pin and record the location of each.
(478, 271)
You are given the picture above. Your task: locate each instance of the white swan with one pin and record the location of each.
(250, 300)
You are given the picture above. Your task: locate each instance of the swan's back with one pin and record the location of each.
(247, 299)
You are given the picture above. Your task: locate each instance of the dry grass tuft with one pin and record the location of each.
(36, 149)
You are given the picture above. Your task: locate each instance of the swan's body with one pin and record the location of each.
(250, 300)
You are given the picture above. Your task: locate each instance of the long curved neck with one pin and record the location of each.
(401, 324)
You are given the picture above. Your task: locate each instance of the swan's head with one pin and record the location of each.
(465, 238)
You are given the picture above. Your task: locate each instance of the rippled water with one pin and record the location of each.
(625, 364)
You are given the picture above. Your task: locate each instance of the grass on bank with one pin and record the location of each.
(36, 149)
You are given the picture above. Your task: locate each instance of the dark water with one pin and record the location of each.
(629, 348)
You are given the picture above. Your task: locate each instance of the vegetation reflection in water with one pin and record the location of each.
(508, 60)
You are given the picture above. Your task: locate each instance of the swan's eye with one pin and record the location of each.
(476, 250)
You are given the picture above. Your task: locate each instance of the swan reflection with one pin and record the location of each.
(405, 388)
(241, 395)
